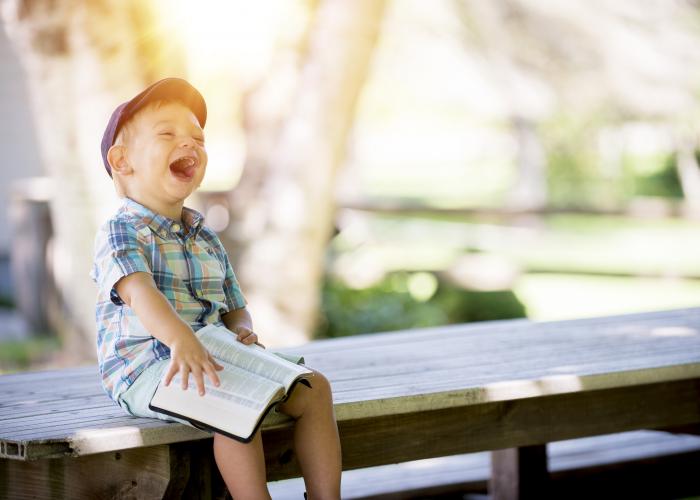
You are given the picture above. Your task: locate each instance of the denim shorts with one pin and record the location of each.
(136, 398)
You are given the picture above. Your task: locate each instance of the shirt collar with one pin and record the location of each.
(162, 225)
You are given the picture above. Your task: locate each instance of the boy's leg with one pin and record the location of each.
(242, 465)
(316, 440)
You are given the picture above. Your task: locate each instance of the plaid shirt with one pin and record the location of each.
(188, 264)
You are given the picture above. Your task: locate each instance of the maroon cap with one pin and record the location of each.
(168, 89)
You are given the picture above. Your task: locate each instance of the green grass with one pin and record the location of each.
(19, 355)
(571, 243)
(554, 297)
(565, 266)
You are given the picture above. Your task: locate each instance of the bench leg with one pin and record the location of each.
(519, 473)
(169, 472)
(151, 472)
(203, 480)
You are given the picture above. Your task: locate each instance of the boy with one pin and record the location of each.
(162, 275)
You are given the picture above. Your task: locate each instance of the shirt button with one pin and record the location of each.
(175, 227)
(163, 233)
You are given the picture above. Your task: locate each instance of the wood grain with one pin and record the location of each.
(398, 396)
(519, 473)
(492, 426)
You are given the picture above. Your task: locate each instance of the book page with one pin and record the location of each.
(235, 406)
(222, 344)
(237, 386)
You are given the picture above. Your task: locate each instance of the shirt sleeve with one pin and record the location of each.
(232, 290)
(118, 253)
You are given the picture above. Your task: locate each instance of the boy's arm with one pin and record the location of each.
(240, 322)
(157, 315)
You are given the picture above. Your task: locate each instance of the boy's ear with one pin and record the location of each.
(116, 157)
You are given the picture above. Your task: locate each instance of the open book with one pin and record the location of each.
(252, 382)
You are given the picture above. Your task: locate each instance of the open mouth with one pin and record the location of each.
(184, 168)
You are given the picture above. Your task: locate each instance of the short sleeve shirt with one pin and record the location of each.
(189, 266)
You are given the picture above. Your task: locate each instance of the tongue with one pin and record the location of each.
(183, 168)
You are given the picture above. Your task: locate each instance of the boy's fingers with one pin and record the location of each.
(172, 370)
(243, 333)
(211, 373)
(250, 338)
(185, 372)
(215, 363)
(199, 379)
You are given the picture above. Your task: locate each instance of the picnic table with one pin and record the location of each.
(507, 386)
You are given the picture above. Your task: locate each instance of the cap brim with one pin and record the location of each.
(170, 89)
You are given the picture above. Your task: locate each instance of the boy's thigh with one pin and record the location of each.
(137, 397)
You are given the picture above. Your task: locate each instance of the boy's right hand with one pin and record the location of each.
(139, 291)
(188, 355)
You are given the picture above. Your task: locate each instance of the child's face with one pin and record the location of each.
(166, 156)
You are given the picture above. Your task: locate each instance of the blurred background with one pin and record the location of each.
(373, 165)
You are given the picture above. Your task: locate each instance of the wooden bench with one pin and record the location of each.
(510, 386)
(634, 464)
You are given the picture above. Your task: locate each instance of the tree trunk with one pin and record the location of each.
(284, 208)
(81, 59)
(529, 192)
(486, 26)
(688, 173)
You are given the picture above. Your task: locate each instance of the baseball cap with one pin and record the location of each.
(170, 89)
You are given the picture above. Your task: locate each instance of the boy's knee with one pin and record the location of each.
(303, 397)
(321, 385)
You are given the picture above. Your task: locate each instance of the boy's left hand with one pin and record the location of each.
(246, 335)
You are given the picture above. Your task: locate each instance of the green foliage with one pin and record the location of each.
(390, 305)
(579, 176)
(17, 355)
(663, 182)
(572, 161)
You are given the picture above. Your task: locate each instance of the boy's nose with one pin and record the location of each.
(187, 141)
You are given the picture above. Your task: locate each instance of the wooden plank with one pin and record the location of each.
(420, 361)
(489, 328)
(44, 412)
(519, 473)
(456, 369)
(360, 408)
(434, 349)
(489, 426)
(100, 439)
(64, 421)
(88, 417)
(444, 379)
(139, 473)
(365, 403)
(671, 476)
(68, 430)
(497, 351)
(482, 379)
(470, 472)
(47, 375)
(344, 411)
(454, 378)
